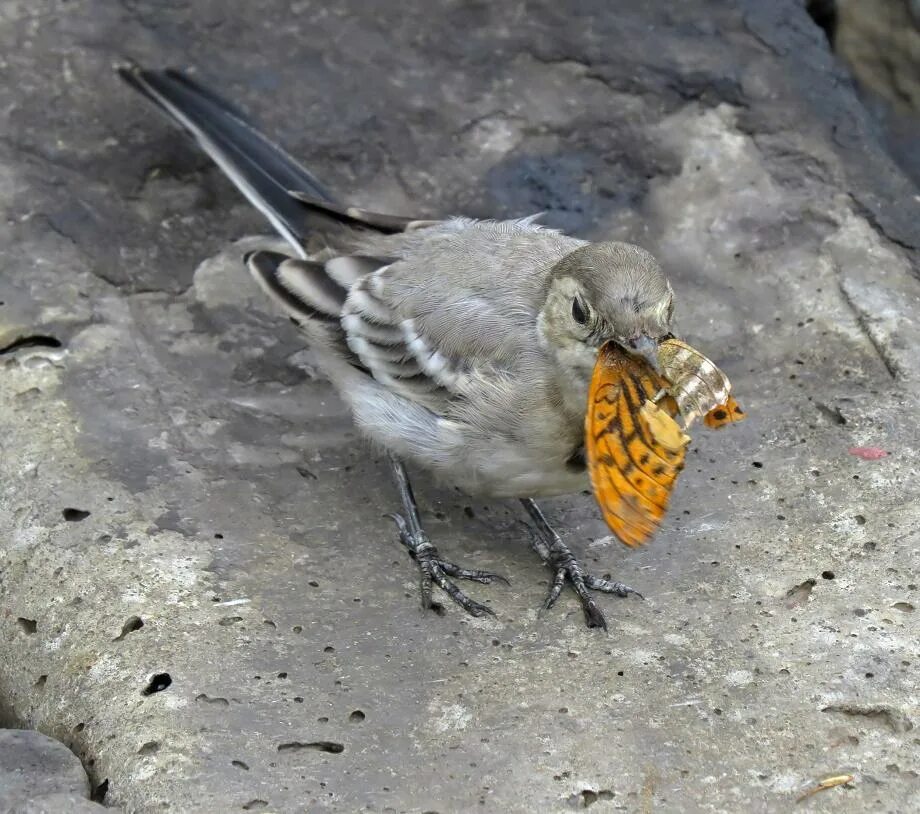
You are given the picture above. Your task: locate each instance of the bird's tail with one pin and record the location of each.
(311, 291)
(261, 169)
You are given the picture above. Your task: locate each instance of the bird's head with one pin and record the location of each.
(600, 292)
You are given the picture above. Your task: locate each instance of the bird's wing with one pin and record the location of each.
(456, 311)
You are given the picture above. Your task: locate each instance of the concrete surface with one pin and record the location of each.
(199, 594)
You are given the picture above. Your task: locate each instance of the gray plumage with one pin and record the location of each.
(464, 345)
(464, 367)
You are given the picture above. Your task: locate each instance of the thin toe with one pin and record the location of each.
(593, 615)
(474, 574)
(610, 587)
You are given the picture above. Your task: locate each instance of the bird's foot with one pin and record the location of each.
(566, 567)
(556, 554)
(434, 570)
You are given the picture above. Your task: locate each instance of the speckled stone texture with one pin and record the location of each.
(199, 593)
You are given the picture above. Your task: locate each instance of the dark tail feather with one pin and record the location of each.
(358, 219)
(301, 287)
(262, 171)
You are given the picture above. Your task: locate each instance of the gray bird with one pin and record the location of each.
(464, 346)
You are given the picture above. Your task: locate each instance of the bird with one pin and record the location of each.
(459, 345)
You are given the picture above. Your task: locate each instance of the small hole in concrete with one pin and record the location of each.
(207, 699)
(27, 626)
(72, 515)
(149, 748)
(230, 620)
(313, 583)
(331, 747)
(757, 464)
(282, 675)
(35, 341)
(133, 623)
(239, 765)
(158, 683)
(79, 728)
(41, 681)
(323, 719)
(799, 594)
(100, 791)
(253, 805)
(904, 607)
(827, 575)
(329, 649)
(357, 716)
(298, 699)
(860, 520)
(297, 629)
(588, 797)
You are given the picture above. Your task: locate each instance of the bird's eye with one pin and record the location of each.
(579, 312)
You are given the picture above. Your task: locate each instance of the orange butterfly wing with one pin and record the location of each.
(634, 448)
(724, 414)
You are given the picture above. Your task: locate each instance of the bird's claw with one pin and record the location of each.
(566, 566)
(435, 570)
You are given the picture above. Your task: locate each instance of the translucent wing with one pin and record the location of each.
(698, 386)
(634, 447)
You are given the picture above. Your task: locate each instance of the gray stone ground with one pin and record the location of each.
(39, 774)
(181, 496)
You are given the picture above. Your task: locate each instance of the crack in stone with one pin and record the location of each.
(895, 719)
(862, 319)
(879, 227)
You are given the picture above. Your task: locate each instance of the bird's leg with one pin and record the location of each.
(432, 568)
(548, 544)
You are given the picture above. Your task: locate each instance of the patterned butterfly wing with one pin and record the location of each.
(634, 447)
(723, 414)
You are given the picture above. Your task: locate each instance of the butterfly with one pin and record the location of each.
(634, 447)
(698, 386)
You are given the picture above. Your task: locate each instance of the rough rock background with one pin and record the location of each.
(199, 594)
(880, 43)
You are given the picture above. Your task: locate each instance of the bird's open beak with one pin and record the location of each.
(647, 348)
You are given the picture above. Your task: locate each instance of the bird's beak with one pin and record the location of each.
(647, 348)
